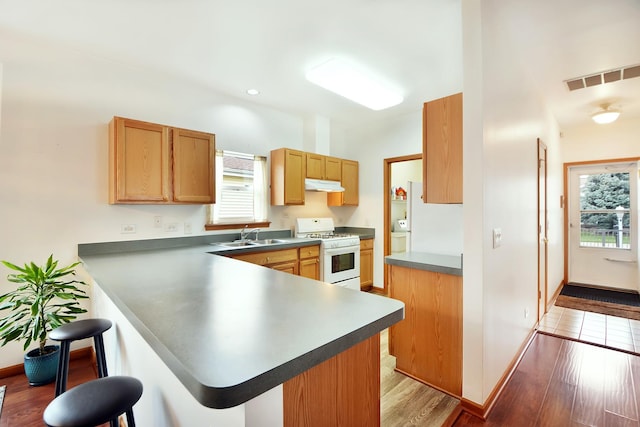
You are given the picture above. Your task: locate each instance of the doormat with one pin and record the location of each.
(603, 295)
(2, 390)
(584, 303)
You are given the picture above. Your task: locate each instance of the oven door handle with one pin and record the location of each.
(342, 250)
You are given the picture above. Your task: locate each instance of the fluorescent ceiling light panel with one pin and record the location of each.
(341, 78)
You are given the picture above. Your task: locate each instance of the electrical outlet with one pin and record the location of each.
(157, 221)
(127, 228)
(526, 312)
(187, 227)
(497, 237)
(171, 227)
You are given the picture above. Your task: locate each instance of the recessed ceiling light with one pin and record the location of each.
(253, 92)
(607, 115)
(342, 78)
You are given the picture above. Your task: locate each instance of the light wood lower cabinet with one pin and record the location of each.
(309, 265)
(427, 344)
(342, 391)
(366, 264)
(303, 261)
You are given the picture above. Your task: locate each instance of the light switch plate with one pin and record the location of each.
(497, 237)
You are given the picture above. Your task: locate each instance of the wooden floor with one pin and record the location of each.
(406, 402)
(561, 382)
(23, 405)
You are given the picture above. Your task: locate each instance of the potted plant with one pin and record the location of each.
(44, 298)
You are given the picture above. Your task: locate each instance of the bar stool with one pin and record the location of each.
(74, 331)
(95, 402)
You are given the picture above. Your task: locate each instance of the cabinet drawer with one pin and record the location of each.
(309, 252)
(366, 244)
(270, 257)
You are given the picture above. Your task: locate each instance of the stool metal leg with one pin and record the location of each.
(101, 359)
(130, 421)
(63, 368)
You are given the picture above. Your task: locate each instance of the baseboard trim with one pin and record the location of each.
(80, 353)
(482, 411)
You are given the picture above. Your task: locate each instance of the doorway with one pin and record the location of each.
(601, 224)
(397, 172)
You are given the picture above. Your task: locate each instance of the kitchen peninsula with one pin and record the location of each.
(218, 341)
(427, 344)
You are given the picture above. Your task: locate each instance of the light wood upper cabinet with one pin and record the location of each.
(138, 162)
(323, 167)
(350, 182)
(288, 171)
(193, 171)
(141, 170)
(333, 168)
(442, 150)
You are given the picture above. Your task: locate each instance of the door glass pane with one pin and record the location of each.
(604, 210)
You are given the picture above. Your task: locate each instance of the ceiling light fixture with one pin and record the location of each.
(605, 116)
(342, 78)
(253, 92)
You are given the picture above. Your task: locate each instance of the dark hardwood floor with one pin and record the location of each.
(23, 405)
(560, 382)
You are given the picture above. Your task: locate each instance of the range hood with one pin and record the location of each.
(322, 185)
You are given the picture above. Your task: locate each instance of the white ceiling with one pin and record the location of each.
(413, 45)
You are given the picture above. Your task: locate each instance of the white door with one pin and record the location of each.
(602, 225)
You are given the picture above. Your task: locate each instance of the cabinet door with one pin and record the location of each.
(333, 168)
(290, 267)
(427, 344)
(193, 166)
(350, 183)
(310, 268)
(315, 166)
(139, 162)
(288, 171)
(442, 150)
(366, 264)
(349, 197)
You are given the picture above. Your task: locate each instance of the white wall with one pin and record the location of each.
(56, 104)
(503, 119)
(620, 139)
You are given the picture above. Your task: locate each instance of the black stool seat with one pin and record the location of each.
(79, 330)
(94, 403)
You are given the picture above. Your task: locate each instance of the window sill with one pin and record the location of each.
(211, 227)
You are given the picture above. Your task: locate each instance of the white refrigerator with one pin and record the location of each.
(431, 227)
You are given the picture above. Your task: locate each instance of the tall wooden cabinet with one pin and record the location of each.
(288, 171)
(442, 150)
(156, 164)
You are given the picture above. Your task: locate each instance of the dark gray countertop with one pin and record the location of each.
(439, 263)
(230, 330)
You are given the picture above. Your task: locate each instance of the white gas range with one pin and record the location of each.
(339, 253)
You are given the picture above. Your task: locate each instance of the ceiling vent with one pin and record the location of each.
(608, 76)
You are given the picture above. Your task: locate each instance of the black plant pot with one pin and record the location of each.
(41, 370)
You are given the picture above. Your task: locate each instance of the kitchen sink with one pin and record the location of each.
(243, 243)
(237, 244)
(268, 241)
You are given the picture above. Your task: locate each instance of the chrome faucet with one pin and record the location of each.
(244, 233)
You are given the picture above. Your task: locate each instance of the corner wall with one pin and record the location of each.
(503, 117)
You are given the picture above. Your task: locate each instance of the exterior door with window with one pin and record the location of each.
(603, 234)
